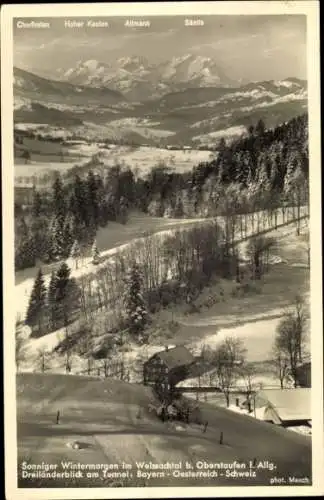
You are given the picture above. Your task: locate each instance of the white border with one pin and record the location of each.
(311, 10)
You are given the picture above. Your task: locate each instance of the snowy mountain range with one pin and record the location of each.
(138, 79)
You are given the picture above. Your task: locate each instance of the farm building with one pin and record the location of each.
(304, 375)
(286, 407)
(167, 368)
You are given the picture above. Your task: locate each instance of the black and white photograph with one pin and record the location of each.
(164, 263)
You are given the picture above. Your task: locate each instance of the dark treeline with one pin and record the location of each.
(54, 306)
(264, 170)
(265, 167)
(70, 212)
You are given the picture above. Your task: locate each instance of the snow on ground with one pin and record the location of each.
(259, 380)
(284, 83)
(258, 413)
(28, 126)
(300, 96)
(39, 168)
(257, 337)
(144, 157)
(56, 363)
(301, 429)
(228, 132)
(25, 278)
(104, 416)
(257, 332)
(141, 158)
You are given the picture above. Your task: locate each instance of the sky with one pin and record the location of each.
(247, 48)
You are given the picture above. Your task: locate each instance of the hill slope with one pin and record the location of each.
(35, 87)
(112, 422)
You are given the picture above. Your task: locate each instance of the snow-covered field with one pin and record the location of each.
(38, 168)
(257, 336)
(139, 159)
(226, 134)
(142, 126)
(112, 422)
(143, 158)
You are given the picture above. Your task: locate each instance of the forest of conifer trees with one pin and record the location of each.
(264, 170)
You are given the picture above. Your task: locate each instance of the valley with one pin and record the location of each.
(162, 258)
(187, 117)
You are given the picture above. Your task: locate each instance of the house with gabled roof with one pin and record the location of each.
(286, 407)
(165, 369)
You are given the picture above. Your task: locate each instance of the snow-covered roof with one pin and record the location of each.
(177, 356)
(289, 404)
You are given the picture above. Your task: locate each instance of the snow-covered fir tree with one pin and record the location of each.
(36, 312)
(57, 239)
(95, 253)
(68, 235)
(75, 253)
(59, 202)
(135, 307)
(66, 296)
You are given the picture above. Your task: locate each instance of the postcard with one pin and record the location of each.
(162, 254)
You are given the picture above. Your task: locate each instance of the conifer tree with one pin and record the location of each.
(75, 252)
(95, 253)
(68, 236)
(92, 198)
(62, 281)
(79, 204)
(36, 312)
(57, 239)
(178, 209)
(37, 204)
(66, 295)
(51, 300)
(59, 201)
(123, 209)
(260, 127)
(135, 307)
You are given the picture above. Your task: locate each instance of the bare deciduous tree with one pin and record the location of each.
(42, 357)
(21, 349)
(300, 326)
(248, 373)
(306, 246)
(280, 361)
(290, 337)
(259, 252)
(228, 358)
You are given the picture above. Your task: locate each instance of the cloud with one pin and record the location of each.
(253, 48)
